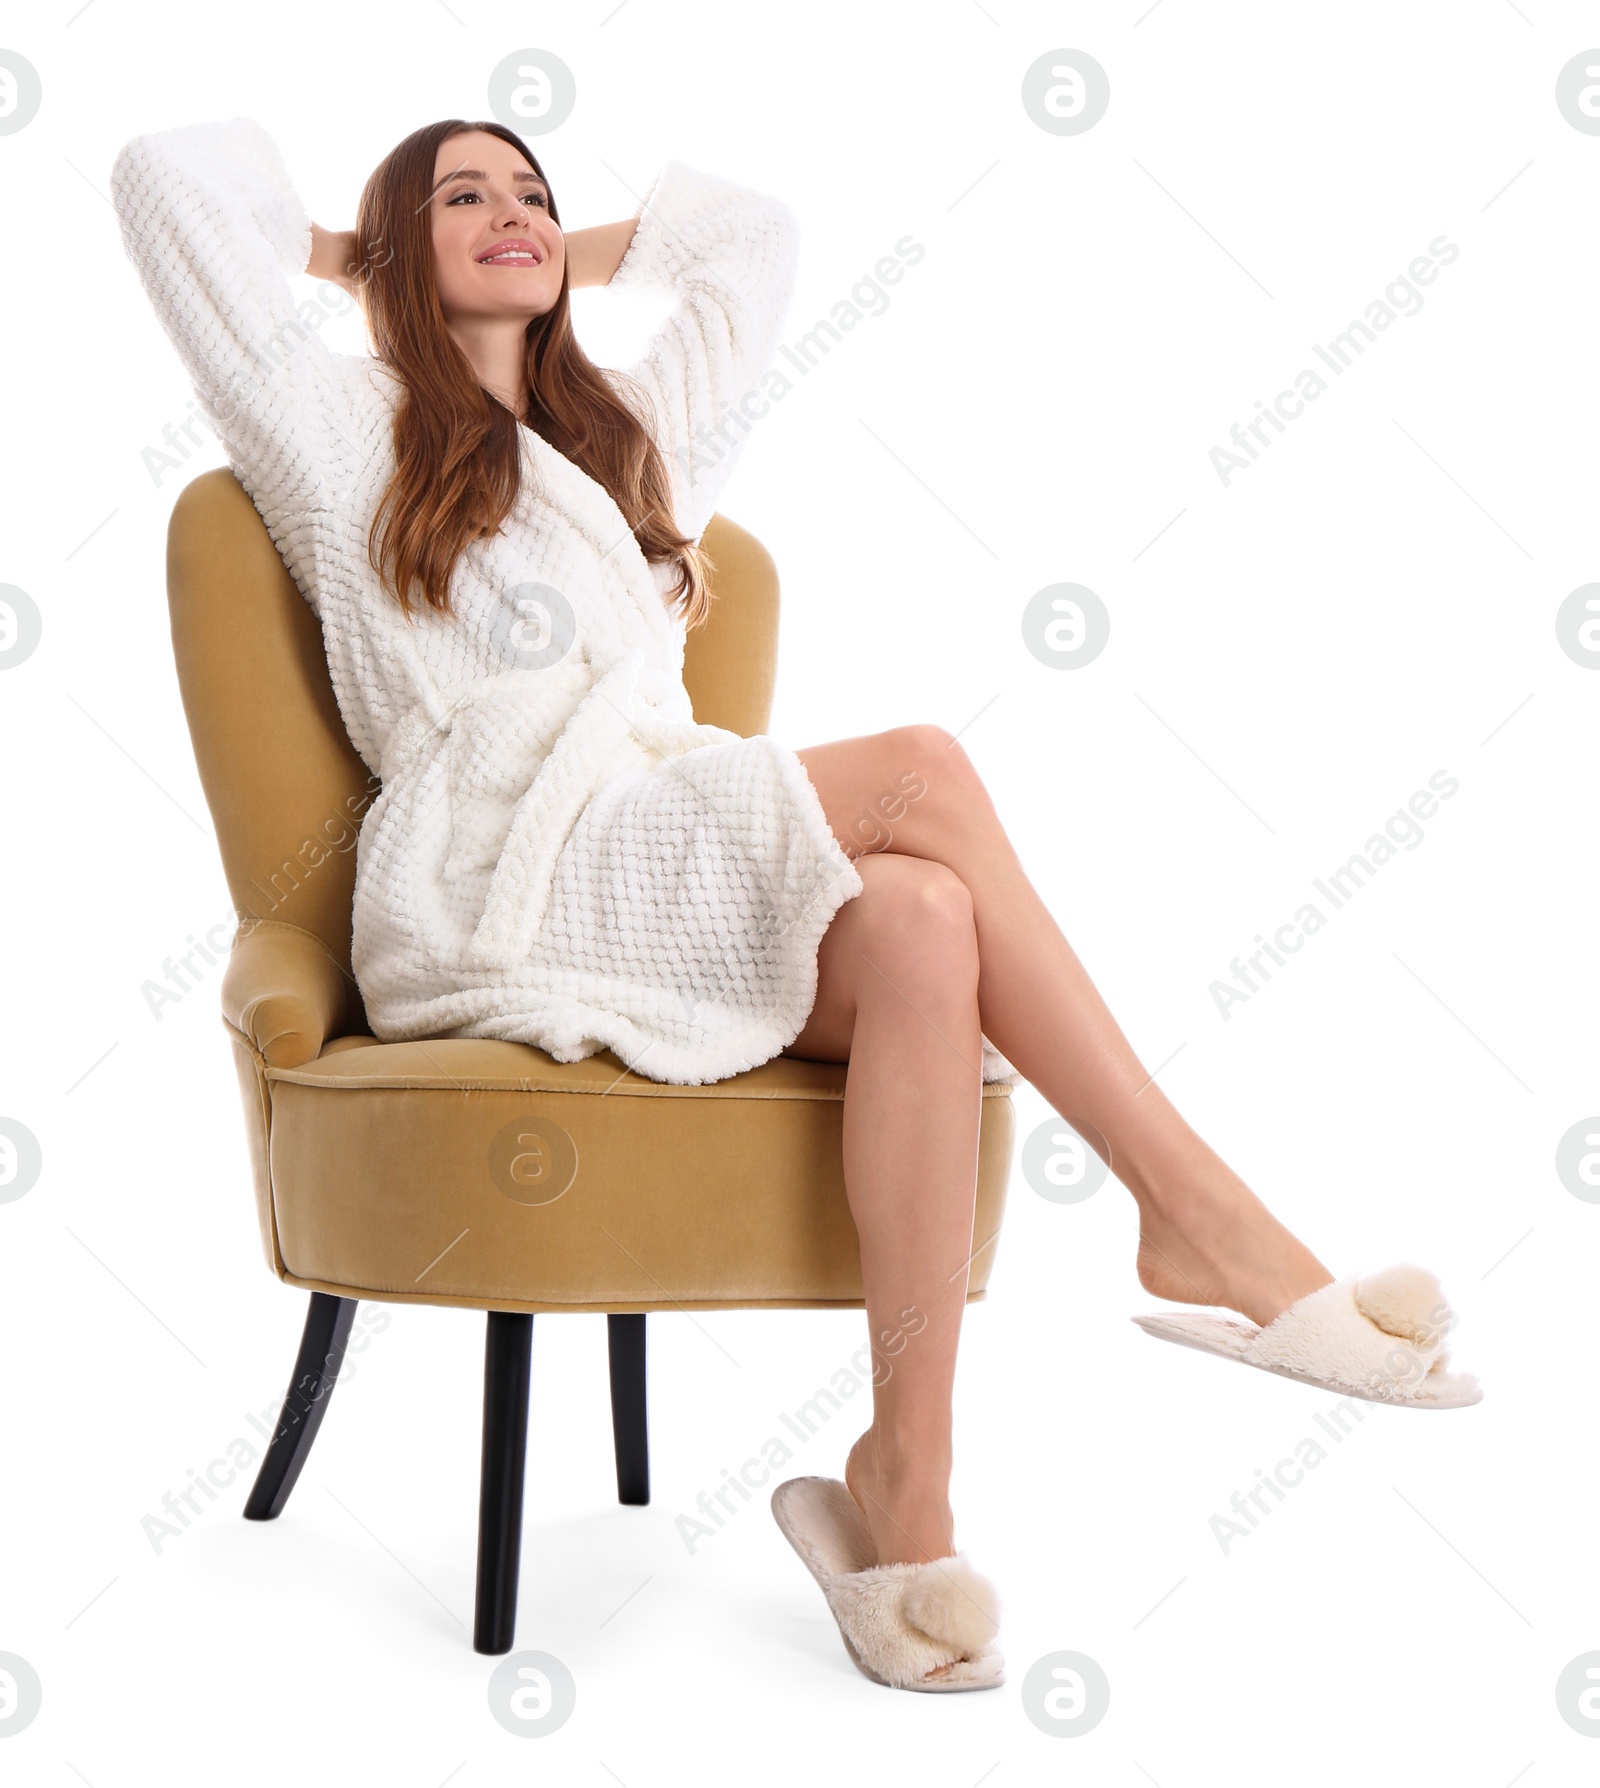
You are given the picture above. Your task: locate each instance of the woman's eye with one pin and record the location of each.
(538, 198)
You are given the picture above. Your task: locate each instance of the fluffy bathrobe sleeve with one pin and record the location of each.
(214, 228)
(729, 256)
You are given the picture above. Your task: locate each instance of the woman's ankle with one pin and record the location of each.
(903, 1447)
(1196, 1197)
(905, 1500)
(896, 1453)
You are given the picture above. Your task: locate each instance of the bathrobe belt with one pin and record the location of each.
(631, 716)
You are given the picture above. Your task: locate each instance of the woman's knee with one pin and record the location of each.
(929, 750)
(926, 771)
(916, 924)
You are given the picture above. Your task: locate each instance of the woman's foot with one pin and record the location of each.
(905, 1501)
(906, 1506)
(1218, 1244)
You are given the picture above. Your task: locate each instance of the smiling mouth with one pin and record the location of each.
(511, 257)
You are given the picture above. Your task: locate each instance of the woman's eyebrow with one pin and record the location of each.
(526, 175)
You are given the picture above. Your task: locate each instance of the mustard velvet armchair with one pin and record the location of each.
(480, 1173)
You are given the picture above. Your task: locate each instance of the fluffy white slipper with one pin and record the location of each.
(1380, 1337)
(897, 1621)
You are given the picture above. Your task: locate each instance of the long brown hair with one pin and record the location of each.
(457, 450)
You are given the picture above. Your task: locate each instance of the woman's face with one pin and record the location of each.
(487, 202)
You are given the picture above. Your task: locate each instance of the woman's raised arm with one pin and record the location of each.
(213, 226)
(730, 256)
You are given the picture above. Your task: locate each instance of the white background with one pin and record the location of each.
(1293, 657)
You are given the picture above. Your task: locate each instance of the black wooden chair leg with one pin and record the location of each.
(316, 1368)
(629, 1423)
(506, 1358)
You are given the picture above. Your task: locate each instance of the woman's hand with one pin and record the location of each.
(333, 256)
(594, 254)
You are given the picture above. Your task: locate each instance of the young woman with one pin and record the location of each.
(500, 541)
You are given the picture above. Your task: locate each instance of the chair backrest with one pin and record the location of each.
(286, 788)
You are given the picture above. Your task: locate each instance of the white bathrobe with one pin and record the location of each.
(560, 855)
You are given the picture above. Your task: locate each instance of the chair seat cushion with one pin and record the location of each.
(486, 1174)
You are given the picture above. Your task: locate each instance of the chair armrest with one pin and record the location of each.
(284, 991)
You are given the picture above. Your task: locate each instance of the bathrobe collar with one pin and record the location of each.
(590, 507)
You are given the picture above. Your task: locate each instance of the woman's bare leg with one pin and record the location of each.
(897, 998)
(1204, 1237)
